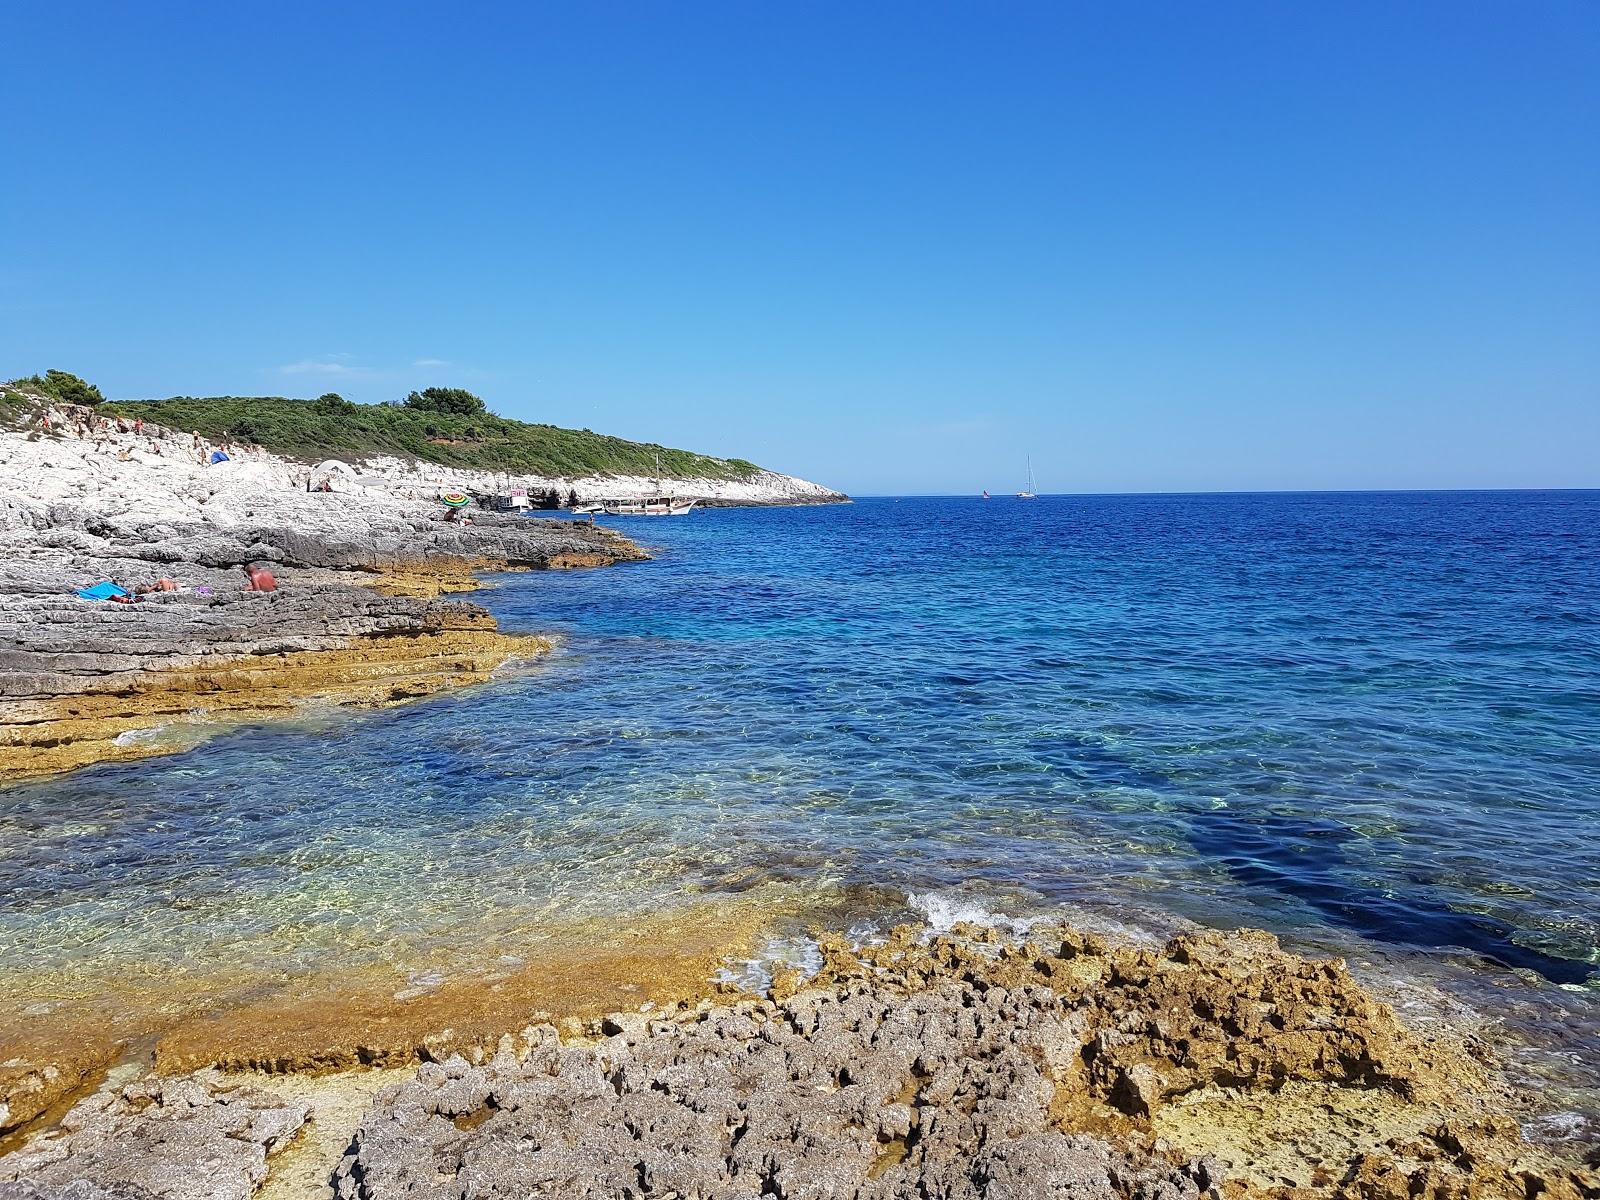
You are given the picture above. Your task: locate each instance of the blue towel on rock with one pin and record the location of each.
(102, 591)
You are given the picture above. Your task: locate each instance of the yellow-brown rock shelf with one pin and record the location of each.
(45, 737)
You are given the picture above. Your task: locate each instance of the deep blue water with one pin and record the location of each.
(1370, 719)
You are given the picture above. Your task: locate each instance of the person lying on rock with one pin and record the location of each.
(140, 590)
(261, 579)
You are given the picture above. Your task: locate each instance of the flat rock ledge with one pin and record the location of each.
(194, 1138)
(953, 1068)
(358, 619)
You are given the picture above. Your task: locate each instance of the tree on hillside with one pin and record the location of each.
(65, 387)
(333, 404)
(458, 401)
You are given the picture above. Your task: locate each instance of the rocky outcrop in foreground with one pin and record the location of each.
(964, 1068)
(177, 1139)
(849, 1092)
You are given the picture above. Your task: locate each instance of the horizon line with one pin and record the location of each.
(1349, 491)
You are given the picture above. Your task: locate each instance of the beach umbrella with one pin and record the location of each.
(325, 475)
(454, 499)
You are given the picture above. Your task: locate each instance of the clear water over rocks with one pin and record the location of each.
(1369, 722)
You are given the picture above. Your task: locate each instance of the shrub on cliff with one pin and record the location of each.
(319, 429)
(446, 400)
(63, 386)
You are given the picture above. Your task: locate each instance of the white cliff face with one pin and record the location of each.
(138, 479)
(166, 476)
(765, 487)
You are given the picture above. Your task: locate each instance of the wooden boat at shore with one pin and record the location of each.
(648, 506)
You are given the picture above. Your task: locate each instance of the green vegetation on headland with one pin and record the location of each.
(449, 426)
(61, 386)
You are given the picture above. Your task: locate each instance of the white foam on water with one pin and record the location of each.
(755, 974)
(1563, 1130)
(140, 737)
(944, 910)
(1131, 925)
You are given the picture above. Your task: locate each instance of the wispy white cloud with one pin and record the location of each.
(332, 365)
(345, 366)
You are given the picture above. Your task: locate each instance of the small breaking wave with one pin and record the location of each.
(944, 910)
(754, 974)
(141, 737)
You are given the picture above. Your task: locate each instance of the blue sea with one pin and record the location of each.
(1368, 722)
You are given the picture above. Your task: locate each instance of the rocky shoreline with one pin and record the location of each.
(361, 566)
(963, 1065)
(960, 1065)
(84, 681)
(357, 618)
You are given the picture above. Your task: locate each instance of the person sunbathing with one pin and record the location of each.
(261, 579)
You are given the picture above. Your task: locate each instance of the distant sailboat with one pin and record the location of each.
(1028, 494)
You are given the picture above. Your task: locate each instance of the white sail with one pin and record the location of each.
(1028, 493)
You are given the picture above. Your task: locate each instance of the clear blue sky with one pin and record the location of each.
(893, 247)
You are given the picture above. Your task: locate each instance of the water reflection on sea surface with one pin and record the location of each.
(1368, 722)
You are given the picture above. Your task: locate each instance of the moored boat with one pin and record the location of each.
(1028, 493)
(657, 505)
(652, 506)
(648, 506)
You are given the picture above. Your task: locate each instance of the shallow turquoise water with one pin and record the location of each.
(1361, 720)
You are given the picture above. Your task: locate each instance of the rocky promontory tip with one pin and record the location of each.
(963, 1065)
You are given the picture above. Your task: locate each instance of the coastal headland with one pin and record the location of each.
(364, 556)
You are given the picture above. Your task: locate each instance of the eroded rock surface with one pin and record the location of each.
(52, 643)
(960, 1067)
(965, 1068)
(192, 1138)
(839, 1095)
